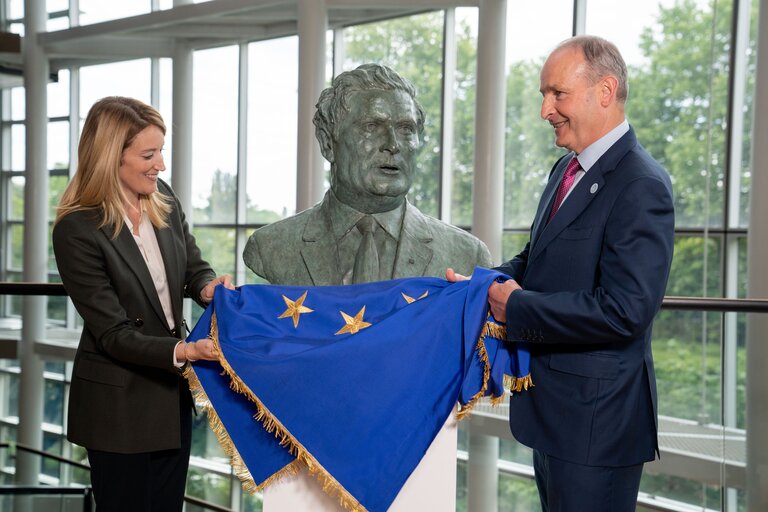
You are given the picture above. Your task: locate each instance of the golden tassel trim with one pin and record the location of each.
(329, 484)
(217, 427)
(517, 384)
(465, 410)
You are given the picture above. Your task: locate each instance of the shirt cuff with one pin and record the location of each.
(176, 363)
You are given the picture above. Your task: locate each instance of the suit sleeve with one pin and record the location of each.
(632, 273)
(87, 275)
(515, 268)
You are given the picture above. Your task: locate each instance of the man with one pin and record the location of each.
(585, 289)
(369, 127)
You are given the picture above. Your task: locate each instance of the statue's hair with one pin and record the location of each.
(334, 104)
(111, 126)
(602, 58)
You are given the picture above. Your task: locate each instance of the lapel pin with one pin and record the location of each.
(593, 188)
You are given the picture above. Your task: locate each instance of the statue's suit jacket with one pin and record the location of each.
(125, 390)
(593, 279)
(301, 250)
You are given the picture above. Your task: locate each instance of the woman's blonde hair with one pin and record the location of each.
(110, 127)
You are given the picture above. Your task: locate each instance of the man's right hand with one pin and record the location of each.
(498, 295)
(453, 277)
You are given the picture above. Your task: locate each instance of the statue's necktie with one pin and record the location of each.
(565, 185)
(366, 268)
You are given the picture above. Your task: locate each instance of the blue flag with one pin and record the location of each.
(353, 382)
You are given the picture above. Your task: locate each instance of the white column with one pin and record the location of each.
(487, 209)
(182, 126)
(579, 17)
(181, 180)
(490, 108)
(757, 269)
(310, 175)
(31, 383)
(482, 473)
(446, 130)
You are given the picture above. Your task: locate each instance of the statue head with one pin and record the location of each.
(369, 126)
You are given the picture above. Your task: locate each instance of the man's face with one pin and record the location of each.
(375, 153)
(570, 102)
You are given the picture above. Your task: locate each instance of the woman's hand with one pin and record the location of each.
(202, 349)
(206, 295)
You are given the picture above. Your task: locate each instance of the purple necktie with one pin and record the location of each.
(568, 176)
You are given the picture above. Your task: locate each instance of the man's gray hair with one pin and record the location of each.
(603, 58)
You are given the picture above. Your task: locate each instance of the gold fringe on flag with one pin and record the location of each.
(517, 384)
(303, 458)
(492, 330)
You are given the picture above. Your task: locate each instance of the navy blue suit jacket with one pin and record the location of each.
(593, 280)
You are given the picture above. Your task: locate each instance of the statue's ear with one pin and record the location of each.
(326, 144)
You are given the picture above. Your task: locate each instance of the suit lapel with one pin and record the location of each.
(591, 184)
(125, 246)
(317, 243)
(545, 205)
(413, 251)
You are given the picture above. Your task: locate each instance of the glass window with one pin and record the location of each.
(17, 103)
(217, 246)
(58, 5)
(58, 95)
(18, 143)
(53, 407)
(17, 199)
(166, 110)
(128, 78)
(214, 152)
(16, 9)
(463, 158)
(272, 132)
(412, 46)
(58, 145)
(749, 107)
(94, 11)
(678, 59)
(530, 149)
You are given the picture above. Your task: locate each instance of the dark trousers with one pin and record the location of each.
(142, 482)
(568, 487)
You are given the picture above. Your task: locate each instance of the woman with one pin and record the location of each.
(127, 260)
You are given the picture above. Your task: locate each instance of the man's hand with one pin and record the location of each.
(206, 295)
(498, 295)
(453, 277)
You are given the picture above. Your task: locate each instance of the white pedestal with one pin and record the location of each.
(431, 486)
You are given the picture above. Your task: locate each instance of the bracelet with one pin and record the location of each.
(186, 358)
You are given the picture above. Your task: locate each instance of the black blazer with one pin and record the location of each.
(125, 390)
(593, 279)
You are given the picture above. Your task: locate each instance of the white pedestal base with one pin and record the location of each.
(431, 486)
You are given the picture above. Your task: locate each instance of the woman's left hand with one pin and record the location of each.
(207, 294)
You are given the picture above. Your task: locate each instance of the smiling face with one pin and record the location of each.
(571, 103)
(375, 154)
(142, 161)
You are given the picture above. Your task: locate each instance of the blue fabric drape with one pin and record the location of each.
(352, 381)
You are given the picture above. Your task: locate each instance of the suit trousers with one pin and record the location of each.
(143, 482)
(568, 487)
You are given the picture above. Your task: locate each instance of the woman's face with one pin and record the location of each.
(141, 163)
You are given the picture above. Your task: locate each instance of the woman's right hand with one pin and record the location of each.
(202, 349)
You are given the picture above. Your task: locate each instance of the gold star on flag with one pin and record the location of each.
(295, 308)
(353, 324)
(411, 300)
